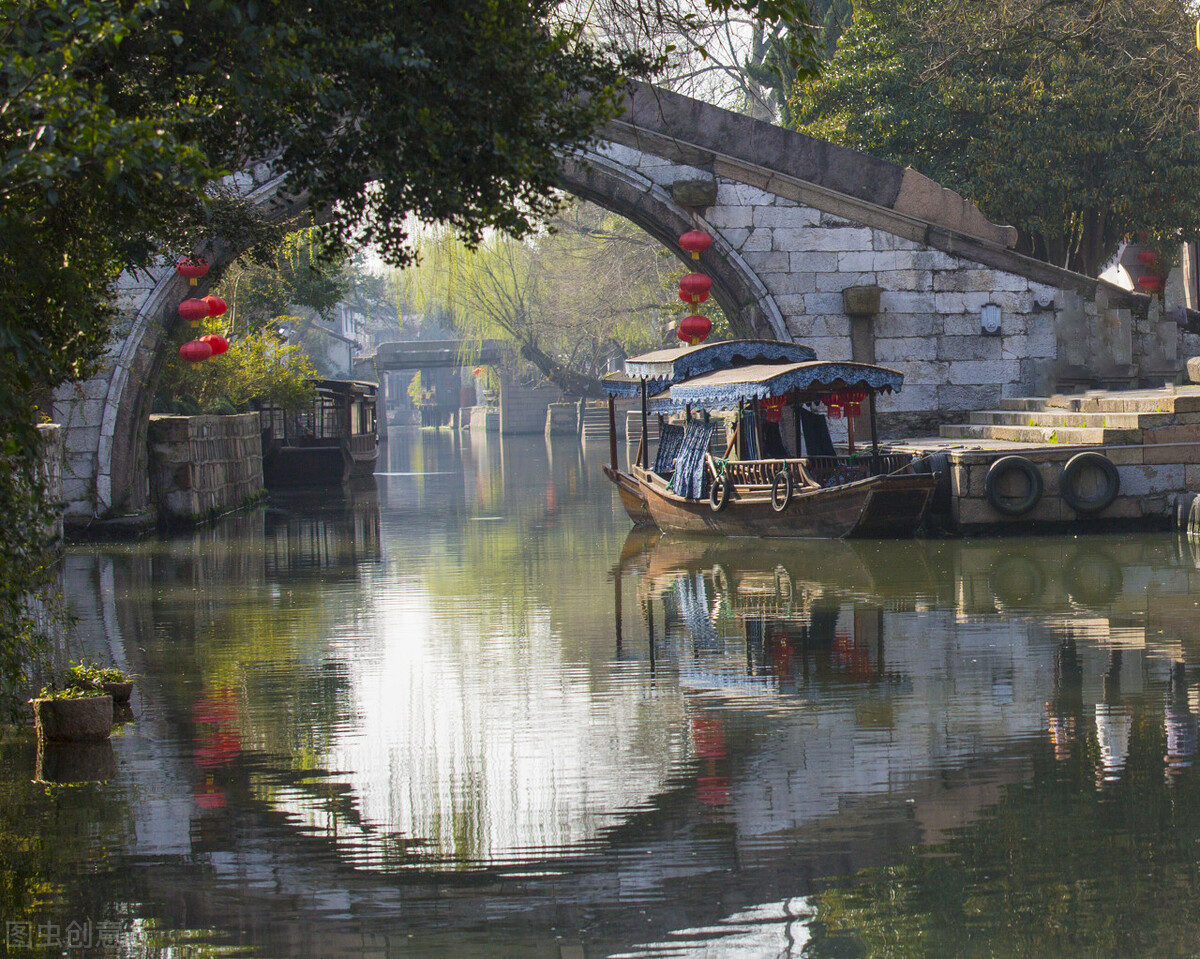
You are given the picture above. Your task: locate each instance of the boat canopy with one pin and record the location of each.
(661, 368)
(724, 389)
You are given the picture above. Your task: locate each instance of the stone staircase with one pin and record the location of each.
(1096, 418)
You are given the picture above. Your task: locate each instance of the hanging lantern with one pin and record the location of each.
(851, 401)
(694, 329)
(216, 305)
(1150, 282)
(215, 340)
(695, 242)
(195, 351)
(193, 311)
(772, 408)
(1147, 257)
(193, 269)
(694, 288)
(478, 371)
(833, 406)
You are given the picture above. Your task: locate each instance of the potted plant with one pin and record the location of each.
(73, 715)
(109, 679)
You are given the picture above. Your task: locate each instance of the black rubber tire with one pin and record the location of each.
(781, 490)
(718, 494)
(1008, 506)
(1068, 482)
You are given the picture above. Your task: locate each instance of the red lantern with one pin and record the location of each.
(694, 288)
(695, 242)
(694, 329)
(772, 408)
(218, 343)
(1150, 282)
(851, 401)
(195, 351)
(216, 305)
(193, 311)
(193, 269)
(1147, 257)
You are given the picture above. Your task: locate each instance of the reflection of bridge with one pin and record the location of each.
(434, 355)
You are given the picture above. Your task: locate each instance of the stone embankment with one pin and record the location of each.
(1012, 466)
(203, 466)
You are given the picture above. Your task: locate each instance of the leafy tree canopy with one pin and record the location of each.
(1075, 122)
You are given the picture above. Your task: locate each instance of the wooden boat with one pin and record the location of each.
(327, 444)
(660, 369)
(822, 495)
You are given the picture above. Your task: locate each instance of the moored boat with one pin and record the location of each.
(758, 488)
(326, 444)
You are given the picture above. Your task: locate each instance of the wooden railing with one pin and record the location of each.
(809, 471)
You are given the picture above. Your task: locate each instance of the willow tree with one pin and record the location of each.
(1075, 122)
(591, 288)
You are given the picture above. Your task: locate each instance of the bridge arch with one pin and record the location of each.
(797, 223)
(596, 176)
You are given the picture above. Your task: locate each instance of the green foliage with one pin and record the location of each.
(257, 366)
(28, 598)
(1072, 123)
(72, 691)
(591, 288)
(85, 674)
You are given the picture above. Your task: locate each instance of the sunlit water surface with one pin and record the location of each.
(464, 711)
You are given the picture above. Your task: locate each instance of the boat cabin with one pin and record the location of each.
(328, 442)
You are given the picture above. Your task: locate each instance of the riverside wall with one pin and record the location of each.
(202, 466)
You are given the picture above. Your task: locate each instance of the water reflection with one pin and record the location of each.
(462, 712)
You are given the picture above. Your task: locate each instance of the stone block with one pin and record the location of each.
(767, 262)
(816, 304)
(1162, 453)
(856, 261)
(893, 301)
(846, 238)
(792, 221)
(788, 283)
(838, 282)
(726, 217)
(695, 191)
(734, 236)
(812, 261)
(861, 300)
(909, 280)
(790, 304)
(890, 241)
(907, 324)
(904, 349)
(1145, 480)
(759, 240)
(740, 194)
(969, 348)
(964, 372)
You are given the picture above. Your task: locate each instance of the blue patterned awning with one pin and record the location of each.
(679, 363)
(724, 389)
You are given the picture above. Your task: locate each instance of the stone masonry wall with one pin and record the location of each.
(929, 324)
(201, 466)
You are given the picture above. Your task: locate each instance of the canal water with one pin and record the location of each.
(465, 711)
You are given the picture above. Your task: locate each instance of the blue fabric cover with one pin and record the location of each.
(669, 441)
(690, 476)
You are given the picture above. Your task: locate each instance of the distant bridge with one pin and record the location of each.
(434, 355)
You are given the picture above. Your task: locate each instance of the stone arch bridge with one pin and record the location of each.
(857, 257)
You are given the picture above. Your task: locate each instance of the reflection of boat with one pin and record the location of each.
(752, 577)
(758, 488)
(330, 442)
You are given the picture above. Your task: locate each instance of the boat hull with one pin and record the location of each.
(631, 495)
(880, 506)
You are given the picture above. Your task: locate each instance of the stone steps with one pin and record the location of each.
(1064, 435)
(1063, 418)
